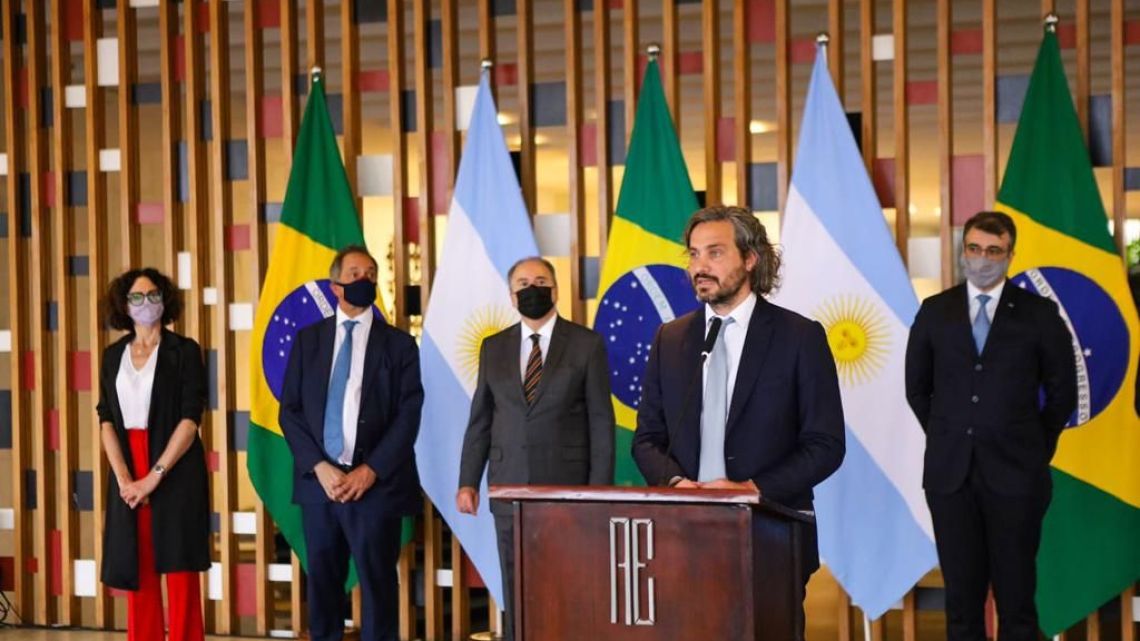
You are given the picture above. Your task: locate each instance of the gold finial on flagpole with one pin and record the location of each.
(1051, 21)
(653, 50)
(315, 73)
(822, 38)
(486, 63)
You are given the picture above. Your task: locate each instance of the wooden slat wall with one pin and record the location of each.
(945, 23)
(710, 50)
(867, 75)
(96, 276)
(202, 226)
(63, 285)
(602, 96)
(39, 293)
(126, 31)
(742, 92)
(220, 219)
(902, 130)
(21, 446)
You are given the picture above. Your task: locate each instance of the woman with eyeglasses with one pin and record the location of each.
(152, 391)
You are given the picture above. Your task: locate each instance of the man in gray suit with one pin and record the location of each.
(541, 413)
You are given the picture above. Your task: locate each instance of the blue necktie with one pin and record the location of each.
(334, 404)
(981, 323)
(714, 411)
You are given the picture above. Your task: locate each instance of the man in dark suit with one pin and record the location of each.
(979, 357)
(541, 412)
(763, 412)
(350, 411)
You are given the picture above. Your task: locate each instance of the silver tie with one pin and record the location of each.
(714, 410)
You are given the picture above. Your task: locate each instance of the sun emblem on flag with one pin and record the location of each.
(857, 335)
(484, 322)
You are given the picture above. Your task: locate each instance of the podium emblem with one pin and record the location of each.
(631, 549)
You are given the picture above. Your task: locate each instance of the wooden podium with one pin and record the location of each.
(658, 564)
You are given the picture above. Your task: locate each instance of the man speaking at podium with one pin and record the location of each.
(740, 394)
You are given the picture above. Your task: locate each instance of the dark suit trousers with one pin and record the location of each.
(985, 538)
(505, 533)
(333, 532)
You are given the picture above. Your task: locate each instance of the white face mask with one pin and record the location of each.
(983, 272)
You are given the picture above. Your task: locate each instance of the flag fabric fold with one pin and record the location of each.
(842, 269)
(1064, 251)
(488, 230)
(643, 281)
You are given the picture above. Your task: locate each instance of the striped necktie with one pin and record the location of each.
(533, 370)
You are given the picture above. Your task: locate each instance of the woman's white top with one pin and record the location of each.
(134, 387)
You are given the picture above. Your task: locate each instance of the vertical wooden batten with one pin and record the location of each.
(96, 276)
(572, 21)
(63, 285)
(742, 98)
(867, 76)
(399, 149)
(129, 159)
(603, 156)
(783, 102)
(37, 296)
(221, 338)
(350, 96)
(289, 47)
(1083, 72)
(172, 236)
(902, 130)
(835, 30)
(989, 101)
(17, 278)
(1119, 125)
(671, 82)
(944, 24)
(524, 13)
(425, 123)
(710, 49)
(258, 248)
(630, 64)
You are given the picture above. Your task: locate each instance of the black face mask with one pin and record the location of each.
(535, 301)
(359, 293)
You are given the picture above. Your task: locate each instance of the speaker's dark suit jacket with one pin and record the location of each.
(989, 409)
(390, 404)
(785, 427)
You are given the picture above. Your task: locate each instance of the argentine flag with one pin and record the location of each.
(488, 230)
(842, 269)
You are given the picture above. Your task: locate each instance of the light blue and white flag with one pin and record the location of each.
(841, 268)
(488, 230)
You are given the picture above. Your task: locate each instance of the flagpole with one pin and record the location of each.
(822, 39)
(1051, 21)
(653, 51)
(315, 73)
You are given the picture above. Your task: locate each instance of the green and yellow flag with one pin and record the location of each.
(1089, 552)
(643, 280)
(317, 219)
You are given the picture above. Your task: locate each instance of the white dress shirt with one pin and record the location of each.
(355, 376)
(733, 335)
(972, 292)
(134, 388)
(527, 343)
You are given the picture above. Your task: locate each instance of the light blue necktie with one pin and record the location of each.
(334, 404)
(714, 410)
(981, 323)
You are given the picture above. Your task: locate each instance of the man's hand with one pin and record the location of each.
(330, 478)
(687, 484)
(355, 484)
(467, 500)
(725, 484)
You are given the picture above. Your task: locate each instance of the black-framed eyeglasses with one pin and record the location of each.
(993, 252)
(137, 298)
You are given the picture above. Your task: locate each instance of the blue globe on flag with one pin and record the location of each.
(314, 301)
(630, 312)
(1099, 331)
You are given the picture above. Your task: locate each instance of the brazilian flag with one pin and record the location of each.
(1089, 552)
(317, 219)
(643, 280)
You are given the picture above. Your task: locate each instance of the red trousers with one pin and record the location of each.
(183, 593)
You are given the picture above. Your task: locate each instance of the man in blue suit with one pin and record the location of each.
(350, 411)
(762, 412)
